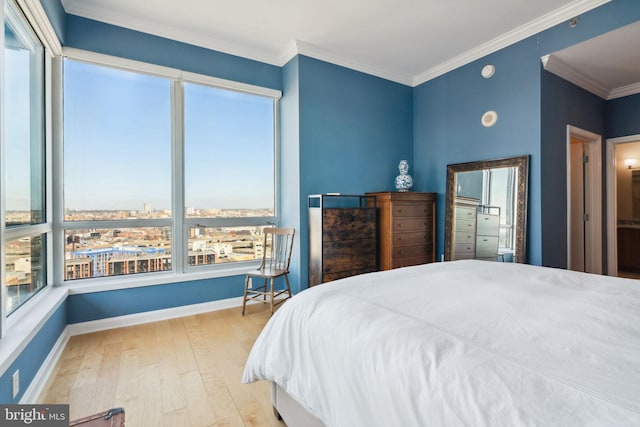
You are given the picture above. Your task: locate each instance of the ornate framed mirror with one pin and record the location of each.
(486, 210)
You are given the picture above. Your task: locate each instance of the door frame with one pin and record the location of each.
(612, 201)
(593, 231)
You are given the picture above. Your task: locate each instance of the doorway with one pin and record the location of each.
(623, 215)
(584, 200)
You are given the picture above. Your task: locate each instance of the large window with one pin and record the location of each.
(229, 173)
(23, 161)
(162, 172)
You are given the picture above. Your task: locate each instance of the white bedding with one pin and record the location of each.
(470, 343)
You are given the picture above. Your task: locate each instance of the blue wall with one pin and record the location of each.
(32, 357)
(623, 116)
(448, 130)
(346, 131)
(353, 130)
(82, 33)
(447, 113)
(101, 305)
(57, 16)
(562, 103)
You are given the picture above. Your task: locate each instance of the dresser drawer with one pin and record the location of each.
(403, 210)
(465, 213)
(347, 223)
(411, 224)
(465, 248)
(346, 255)
(407, 262)
(411, 251)
(418, 237)
(466, 226)
(464, 237)
(487, 246)
(488, 224)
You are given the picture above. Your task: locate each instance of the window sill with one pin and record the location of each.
(151, 279)
(27, 321)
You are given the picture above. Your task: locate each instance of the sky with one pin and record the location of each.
(117, 143)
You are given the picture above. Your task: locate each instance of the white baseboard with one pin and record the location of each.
(151, 316)
(42, 376)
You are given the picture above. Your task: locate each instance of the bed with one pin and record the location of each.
(461, 343)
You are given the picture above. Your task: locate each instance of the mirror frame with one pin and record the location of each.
(520, 162)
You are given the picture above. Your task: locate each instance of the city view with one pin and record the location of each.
(102, 252)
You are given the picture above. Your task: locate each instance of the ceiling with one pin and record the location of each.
(607, 65)
(407, 41)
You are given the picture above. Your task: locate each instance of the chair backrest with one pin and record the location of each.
(278, 245)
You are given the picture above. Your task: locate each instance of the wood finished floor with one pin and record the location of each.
(179, 372)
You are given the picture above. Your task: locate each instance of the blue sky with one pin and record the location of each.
(117, 148)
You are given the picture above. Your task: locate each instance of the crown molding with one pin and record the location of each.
(619, 92)
(529, 29)
(297, 47)
(312, 51)
(556, 66)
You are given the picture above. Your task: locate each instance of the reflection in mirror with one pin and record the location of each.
(486, 210)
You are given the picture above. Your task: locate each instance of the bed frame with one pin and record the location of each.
(286, 408)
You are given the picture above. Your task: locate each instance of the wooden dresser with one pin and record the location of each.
(406, 228)
(342, 237)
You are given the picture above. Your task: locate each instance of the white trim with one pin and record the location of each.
(87, 286)
(612, 202)
(545, 22)
(619, 92)
(307, 49)
(558, 67)
(230, 84)
(121, 63)
(38, 19)
(3, 290)
(555, 65)
(299, 47)
(167, 72)
(152, 316)
(40, 379)
(27, 321)
(593, 234)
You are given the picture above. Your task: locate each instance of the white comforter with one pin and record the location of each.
(463, 343)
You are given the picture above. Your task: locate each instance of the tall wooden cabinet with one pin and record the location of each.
(342, 236)
(406, 228)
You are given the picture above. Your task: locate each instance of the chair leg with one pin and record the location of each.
(264, 285)
(286, 279)
(271, 291)
(244, 299)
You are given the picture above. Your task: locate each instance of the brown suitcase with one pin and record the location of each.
(111, 418)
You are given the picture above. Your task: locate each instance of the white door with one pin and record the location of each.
(584, 201)
(576, 206)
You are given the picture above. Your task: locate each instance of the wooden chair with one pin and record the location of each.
(276, 256)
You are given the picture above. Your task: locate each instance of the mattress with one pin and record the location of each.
(461, 343)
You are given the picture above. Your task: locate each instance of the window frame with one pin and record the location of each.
(36, 19)
(181, 270)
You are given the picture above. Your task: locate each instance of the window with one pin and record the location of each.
(229, 173)
(164, 171)
(23, 161)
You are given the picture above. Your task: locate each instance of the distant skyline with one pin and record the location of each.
(117, 147)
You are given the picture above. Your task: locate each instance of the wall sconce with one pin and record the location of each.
(630, 163)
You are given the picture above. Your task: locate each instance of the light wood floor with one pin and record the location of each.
(180, 372)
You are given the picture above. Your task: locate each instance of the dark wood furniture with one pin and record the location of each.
(406, 228)
(628, 249)
(342, 236)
